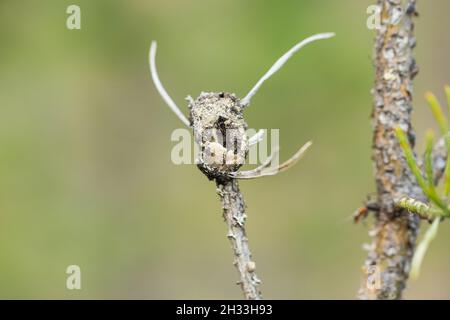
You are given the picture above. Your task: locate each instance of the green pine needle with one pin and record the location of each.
(427, 184)
(410, 159)
(447, 93)
(422, 209)
(422, 248)
(436, 109)
(447, 166)
(412, 164)
(429, 161)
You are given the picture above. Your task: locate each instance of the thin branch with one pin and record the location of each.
(160, 88)
(280, 62)
(235, 217)
(423, 210)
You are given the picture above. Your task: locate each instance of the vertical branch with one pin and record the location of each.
(395, 230)
(234, 216)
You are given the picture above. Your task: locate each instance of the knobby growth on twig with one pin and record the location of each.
(219, 130)
(394, 233)
(436, 165)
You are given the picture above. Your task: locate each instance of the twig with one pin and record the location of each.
(218, 121)
(423, 210)
(235, 217)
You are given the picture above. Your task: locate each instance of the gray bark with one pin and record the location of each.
(394, 233)
(235, 217)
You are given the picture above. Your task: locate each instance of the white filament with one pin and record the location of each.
(160, 87)
(280, 62)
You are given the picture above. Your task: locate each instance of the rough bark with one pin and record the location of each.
(235, 217)
(394, 233)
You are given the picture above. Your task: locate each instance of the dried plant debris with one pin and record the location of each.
(219, 128)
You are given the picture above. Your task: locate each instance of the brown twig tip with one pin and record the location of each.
(265, 168)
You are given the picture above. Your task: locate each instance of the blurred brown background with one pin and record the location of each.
(85, 170)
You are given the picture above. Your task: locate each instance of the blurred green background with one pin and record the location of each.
(85, 170)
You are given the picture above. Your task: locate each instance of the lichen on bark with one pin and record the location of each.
(234, 215)
(395, 230)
